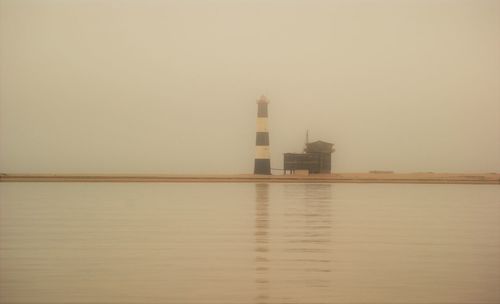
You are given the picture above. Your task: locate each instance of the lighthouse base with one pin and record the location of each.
(262, 166)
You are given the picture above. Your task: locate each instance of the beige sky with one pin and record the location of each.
(170, 86)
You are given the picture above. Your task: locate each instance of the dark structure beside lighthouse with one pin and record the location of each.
(262, 155)
(317, 158)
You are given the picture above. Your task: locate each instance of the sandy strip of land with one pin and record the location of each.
(431, 178)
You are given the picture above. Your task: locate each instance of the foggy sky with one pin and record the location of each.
(170, 86)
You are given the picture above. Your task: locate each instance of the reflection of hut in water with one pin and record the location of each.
(317, 158)
(307, 239)
(301, 255)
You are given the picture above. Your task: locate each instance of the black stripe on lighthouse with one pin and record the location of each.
(262, 110)
(262, 139)
(262, 166)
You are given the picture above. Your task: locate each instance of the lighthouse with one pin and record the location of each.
(262, 155)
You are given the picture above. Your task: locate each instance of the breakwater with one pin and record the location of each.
(431, 178)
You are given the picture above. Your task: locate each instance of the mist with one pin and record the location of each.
(171, 86)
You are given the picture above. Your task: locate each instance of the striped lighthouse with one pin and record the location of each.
(262, 156)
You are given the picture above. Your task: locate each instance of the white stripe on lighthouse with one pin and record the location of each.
(262, 152)
(262, 124)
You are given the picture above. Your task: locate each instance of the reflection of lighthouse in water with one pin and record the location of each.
(262, 242)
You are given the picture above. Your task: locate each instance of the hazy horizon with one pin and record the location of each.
(170, 86)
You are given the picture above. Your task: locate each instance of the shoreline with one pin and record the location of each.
(414, 178)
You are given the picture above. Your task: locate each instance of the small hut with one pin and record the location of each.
(317, 158)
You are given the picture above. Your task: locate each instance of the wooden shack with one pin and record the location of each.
(317, 158)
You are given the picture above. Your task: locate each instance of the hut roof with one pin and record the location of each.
(319, 146)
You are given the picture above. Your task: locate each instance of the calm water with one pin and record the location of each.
(249, 243)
